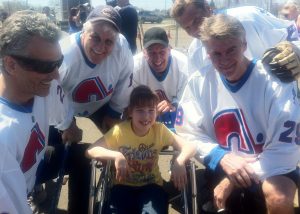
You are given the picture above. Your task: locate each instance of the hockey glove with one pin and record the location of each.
(283, 61)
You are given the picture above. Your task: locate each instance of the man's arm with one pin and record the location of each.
(62, 115)
(120, 97)
(193, 123)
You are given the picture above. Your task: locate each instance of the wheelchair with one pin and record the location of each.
(101, 183)
(99, 189)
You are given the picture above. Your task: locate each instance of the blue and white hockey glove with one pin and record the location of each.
(283, 61)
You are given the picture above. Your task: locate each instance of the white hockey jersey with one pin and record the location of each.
(263, 30)
(90, 86)
(171, 84)
(23, 138)
(257, 116)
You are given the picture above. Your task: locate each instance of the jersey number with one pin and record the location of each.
(286, 135)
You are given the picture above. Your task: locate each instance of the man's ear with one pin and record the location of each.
(9, 64)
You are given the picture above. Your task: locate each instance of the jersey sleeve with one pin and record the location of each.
(182, 66)
(60, 109)
(281, 150)
(195, 58)
(192, 123)
(120, 97)
(138, 69)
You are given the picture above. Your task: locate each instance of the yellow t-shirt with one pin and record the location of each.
(141, 153)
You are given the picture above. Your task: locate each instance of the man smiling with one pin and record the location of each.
(97, 68)
(163, 70)
(244, 121)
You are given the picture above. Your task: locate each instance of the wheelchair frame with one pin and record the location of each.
(99, 190)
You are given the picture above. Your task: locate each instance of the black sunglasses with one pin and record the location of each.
(39, 66)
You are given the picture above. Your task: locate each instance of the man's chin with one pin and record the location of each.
(43, 93)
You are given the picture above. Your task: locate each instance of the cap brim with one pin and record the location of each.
(148, 44)
(97, 19)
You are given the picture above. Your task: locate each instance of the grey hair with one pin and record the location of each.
(88, 26)
(221, 26)
(18, 30)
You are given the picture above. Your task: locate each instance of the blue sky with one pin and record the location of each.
(145, 4)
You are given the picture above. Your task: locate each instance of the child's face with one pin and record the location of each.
(142, 119)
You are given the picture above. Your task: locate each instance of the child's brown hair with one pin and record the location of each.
(141, 96)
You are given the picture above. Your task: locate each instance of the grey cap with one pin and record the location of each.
(106, 13)
(155, 35)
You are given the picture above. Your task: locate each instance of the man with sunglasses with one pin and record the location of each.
(31, 100)
(97, 68)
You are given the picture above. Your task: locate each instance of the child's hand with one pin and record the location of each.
(121, 166)
(222, 192)
(178, 174)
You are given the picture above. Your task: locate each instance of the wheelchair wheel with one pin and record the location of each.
(99, 190)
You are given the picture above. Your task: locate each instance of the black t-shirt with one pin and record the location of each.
(129, 25)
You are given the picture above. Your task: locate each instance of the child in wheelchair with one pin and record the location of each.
(134, 146)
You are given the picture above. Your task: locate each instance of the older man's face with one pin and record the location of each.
(192, 19)
(98, 42)
(157, 57)
(227, 56)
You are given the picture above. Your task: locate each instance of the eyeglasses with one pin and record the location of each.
(39, 66)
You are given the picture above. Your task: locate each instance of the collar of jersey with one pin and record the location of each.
(78, 41)
(21, 108)
(234, 87)
(162, 77)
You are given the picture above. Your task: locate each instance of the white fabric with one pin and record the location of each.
(172, 84)
(90, 86)
(263, 30)
(23, 138)
(263, 115)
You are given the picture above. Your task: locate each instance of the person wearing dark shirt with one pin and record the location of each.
(129, 22)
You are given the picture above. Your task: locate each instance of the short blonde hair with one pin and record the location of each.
(221, 27)
(179, 6)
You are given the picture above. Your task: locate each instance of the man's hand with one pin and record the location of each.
(178, 174)
(238, 170)
(221, 192)
(121, 166)
(283, 61)
(165, 106)
(72, 134)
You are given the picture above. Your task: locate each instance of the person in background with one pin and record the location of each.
(290, 11)
(129, 22)
(74, 21)
(30, 100)
(134, 147)
(164, 70)
(263, 30)
(49, 14)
